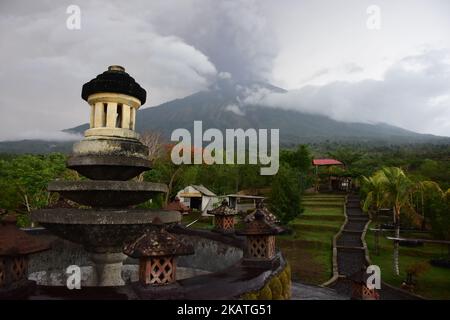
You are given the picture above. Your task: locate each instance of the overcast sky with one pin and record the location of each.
(321, 51)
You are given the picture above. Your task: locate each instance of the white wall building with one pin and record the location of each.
(198, 197)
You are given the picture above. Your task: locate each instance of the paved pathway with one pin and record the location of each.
(351, 254)
(350, 250)
(302, 291)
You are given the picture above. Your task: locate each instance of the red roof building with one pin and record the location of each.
(331, 179)
(327, 162)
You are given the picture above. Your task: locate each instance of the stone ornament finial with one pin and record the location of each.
(114, 97)
(116, 68)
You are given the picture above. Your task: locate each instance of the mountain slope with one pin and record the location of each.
(221, 107)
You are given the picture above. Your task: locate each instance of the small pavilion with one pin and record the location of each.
(243, 202)
(335, 171)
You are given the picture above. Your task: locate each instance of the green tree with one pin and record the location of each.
(427, 192)
(165, 171)
(397, 191)
(346, 155)
(24, 180)
(300, 161)
(440, 216)
(373, 195)
(285, 195)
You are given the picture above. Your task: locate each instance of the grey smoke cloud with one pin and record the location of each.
(235, 34)
(169, 55)
(48, 64)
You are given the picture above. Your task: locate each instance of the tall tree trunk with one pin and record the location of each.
(27, 204)
(396, 243)
(377, 234)
(377, 240)
(169, 191)
(170, 186)
(376, 221)
(423, 212)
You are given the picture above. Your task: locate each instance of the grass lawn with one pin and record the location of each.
(202, 223)
(309, 265)
(433, 283)
(324, 211)
(309, 247)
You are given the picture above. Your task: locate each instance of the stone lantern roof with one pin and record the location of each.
(114, 80)
(260, 207)
(157, 243)
(223, 210)
(360, 276)
(14, 242)
(260, 226)
(177, 205)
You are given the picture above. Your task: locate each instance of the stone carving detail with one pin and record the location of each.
(158, 271)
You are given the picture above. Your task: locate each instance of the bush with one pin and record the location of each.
(285, 195)
(440, 217)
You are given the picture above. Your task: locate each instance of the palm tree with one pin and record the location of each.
(397, 190)
(373, 187)
(424, 187)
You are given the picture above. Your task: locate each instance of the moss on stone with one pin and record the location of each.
(285, 283)
(288, 270)
(277, 288)
(265, 293)
(250, 296)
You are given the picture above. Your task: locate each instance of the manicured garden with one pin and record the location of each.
(308, 247)
(414, 204)
(431, 282)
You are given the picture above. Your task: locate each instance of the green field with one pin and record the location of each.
(434, 283)
(202, 223)
(309, 247)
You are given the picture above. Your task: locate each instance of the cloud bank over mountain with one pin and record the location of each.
(414, 92)
(320, 50)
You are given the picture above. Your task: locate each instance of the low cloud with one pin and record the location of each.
(414, 94)
(235, 109)
(45, 64)
(174, 48)
(46, 135)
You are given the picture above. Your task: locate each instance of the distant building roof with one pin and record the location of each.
(327, 162)
(243, 196)
(254, 191)
(203, 190)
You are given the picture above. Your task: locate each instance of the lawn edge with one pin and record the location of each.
(334, 258)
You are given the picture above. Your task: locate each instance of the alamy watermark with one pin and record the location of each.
(374, 280)
(73, 21)
(73, 277)
(190, 150)
(374, 19)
